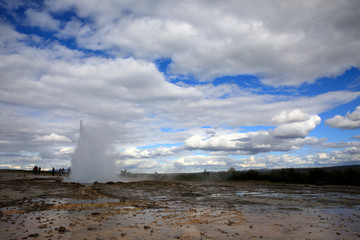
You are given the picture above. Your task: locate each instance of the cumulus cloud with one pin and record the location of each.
(53, 137)
(294, 124)
(287, 136)
(276, 41)
(349, 121)
(295, 115)
(297, 129)
(128, 89)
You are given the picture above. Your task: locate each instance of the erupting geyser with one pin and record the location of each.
(92, 160)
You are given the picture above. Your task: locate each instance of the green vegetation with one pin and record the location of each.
(347, 175)
(318, 176)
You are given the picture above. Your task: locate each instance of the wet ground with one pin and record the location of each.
(45, 207)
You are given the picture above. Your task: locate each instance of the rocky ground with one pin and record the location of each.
(46, 207)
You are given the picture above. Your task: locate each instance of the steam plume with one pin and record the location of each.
(92, 160)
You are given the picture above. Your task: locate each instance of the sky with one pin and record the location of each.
(184, 86)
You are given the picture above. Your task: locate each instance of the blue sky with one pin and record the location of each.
(183, 86)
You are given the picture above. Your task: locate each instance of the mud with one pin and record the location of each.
(46, 207)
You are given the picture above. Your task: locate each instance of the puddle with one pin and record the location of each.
(159, 198)
(59, 201)
(305, 195)
(267, 193)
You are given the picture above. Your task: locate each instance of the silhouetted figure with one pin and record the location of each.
(39, 170)
(53, 172)
(61, 171)
(35, 169)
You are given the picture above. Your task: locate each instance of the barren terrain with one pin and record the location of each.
(47, 207)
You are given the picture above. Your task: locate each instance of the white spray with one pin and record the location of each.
(92, 160)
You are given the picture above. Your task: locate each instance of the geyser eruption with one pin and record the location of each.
(92, 160)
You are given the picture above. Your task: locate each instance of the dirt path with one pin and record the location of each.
(45, 207)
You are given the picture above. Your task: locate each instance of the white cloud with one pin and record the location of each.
(71, 85)
(9, 39)
(71, 29)
(223, 142)
(297, 129)
(140, 165)
(285, 137)
(200, 160)
(147, 153)
(53, 137)
(350, 121)
(295, 115)
(280, 41)
(42, 19)
(66, 150)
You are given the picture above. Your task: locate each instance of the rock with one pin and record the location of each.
(229, 223)
(43, 226)
(62, 229)
(34, 235)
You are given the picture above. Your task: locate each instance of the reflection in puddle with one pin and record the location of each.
(59, 201)
(306, 195)
(159, 197)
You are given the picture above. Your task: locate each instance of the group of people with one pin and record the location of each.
(37, 170)
(61, 172)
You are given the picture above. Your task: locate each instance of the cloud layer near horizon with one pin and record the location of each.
(99, 62)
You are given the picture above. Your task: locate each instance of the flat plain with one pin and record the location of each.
(51, 207)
